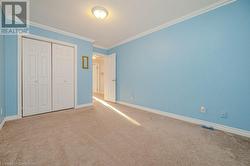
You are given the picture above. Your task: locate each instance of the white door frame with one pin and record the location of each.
(102, 55)
(98, 76)
(19, 67)
(105, 55)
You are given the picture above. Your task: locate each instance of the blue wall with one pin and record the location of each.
(202, 61)
(2, 78)
(84, 76)
(100, 50)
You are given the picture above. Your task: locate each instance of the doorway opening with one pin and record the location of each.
(104, 76)
(98, 76)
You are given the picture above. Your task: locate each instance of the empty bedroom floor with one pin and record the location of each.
(112, 134)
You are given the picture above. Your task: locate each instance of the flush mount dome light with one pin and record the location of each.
(100, 12)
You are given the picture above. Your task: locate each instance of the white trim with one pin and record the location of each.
(84, 105)
(101, 47)
(8, 118)
(19, 75)
(76, 78)
(48, 39)
(98, 76)
(191, 120)
(49, 28)
(178, 20)
(165, 25)
(2, 123)
(99, 54)
(13, 117)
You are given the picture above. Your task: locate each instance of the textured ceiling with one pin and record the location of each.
(126, 19)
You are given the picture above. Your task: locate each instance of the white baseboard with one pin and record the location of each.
(8, 118)
(13, 117)
(84, 105)
(233, 130)
(2, 123)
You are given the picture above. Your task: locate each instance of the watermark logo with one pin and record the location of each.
(14, 17)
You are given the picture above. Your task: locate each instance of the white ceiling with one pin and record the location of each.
(126, 19)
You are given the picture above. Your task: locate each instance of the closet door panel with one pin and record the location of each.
(63, 77)
(44, 69)
(36, 77)
(30, 86)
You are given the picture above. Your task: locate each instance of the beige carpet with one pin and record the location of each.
(102, 136)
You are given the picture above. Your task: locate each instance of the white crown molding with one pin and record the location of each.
(46, 27)
(163, 26)
(190, 120)
(101, 47)
(99, 54)
(176, 21)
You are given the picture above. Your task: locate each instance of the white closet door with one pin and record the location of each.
(63, 77)
(110, 78)
(36, 77)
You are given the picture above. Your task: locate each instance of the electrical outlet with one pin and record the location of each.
(223, 115)
(132, 96)
(203, 109)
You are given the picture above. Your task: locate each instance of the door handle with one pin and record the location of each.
(113, 80)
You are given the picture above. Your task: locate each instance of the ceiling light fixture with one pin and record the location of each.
(100, 12)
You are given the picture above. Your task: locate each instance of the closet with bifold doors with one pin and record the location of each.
(48, 76)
